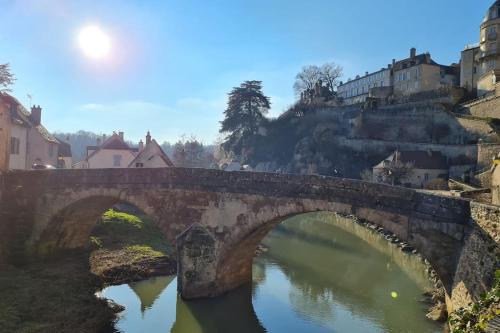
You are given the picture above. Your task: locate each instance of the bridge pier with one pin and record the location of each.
(196, 263)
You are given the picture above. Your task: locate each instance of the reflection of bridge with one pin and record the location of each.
(218, 218)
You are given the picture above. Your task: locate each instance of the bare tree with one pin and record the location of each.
(394, 172)
(6, 77)
(330, 74)
(306, 79)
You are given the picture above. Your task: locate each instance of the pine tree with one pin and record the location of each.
(245, 111)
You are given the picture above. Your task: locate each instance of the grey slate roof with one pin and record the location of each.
(430, 160)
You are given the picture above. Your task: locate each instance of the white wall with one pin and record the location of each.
(18, 162)
(104, 159)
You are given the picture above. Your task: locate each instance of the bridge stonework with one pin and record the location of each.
(218, 218)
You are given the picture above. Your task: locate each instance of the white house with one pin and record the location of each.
(112, 153)
(30, 141)
(426, 166)
(151, 155)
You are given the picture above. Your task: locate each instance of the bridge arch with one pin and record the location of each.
(67, 222)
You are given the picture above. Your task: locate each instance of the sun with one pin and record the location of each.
(94, 42)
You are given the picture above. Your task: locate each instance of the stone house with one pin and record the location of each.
(30, 142)
(112, 153)
(150, 155)
(495, 181)
(420, 73)
(357, 90)
(426, 166)
(480, 63)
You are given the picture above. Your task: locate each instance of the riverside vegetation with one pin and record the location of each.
(58, 294)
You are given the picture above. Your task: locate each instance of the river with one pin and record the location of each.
(321, 273)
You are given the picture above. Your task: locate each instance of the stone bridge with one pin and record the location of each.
(218, 218)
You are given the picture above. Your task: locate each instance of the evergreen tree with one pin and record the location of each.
(6, 77)
(245, 112)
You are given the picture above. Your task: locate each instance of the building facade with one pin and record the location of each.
(426, 167)
(415, 74)
(480, 64)
(357, 90)
(5, 127)
(112, 153)
(30, 142)
(420, 73)
(150, 155)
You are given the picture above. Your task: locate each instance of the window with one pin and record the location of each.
(426, 176)
(117, 160)
(51, 150)
(139, 165)
(14, 145)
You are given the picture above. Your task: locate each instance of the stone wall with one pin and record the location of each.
(495, 185)
(487, 107)
(457, 154)
(479, 256)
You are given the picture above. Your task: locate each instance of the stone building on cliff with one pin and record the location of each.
(480, 63)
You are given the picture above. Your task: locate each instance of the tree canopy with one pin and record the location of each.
(245, 111)
(6, 77)
(329, 73)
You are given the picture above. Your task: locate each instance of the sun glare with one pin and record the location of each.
(94, 42)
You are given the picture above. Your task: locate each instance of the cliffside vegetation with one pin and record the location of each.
(477, 318)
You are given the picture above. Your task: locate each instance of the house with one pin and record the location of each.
(480, 63)
(357, 90)
(30, 142)
(113, 152)
(426, 166)
(420, 73)
(495, 181)
(150, 155)
(412, 75)
(4, 136)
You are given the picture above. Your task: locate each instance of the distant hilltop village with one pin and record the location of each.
(475, 76)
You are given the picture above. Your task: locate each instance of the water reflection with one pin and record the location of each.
(149, 290)
(318, 276)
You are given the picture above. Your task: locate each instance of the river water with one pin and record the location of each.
(322, 273)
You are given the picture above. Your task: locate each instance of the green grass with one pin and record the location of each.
(133, 232)
(56, 296)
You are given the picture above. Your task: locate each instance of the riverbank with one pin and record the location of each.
(128, 247)
(58, 294)
(54, 296)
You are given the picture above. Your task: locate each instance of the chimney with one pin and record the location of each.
(413, 52)
(36, 115)
(148, 138)
(141, 145)
(393, 62)
(389, 66)
(120, 134)
(428, 57)
(366, 73)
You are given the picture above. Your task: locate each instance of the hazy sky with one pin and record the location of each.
(172, 63)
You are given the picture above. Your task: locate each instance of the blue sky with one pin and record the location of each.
(172, 63)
